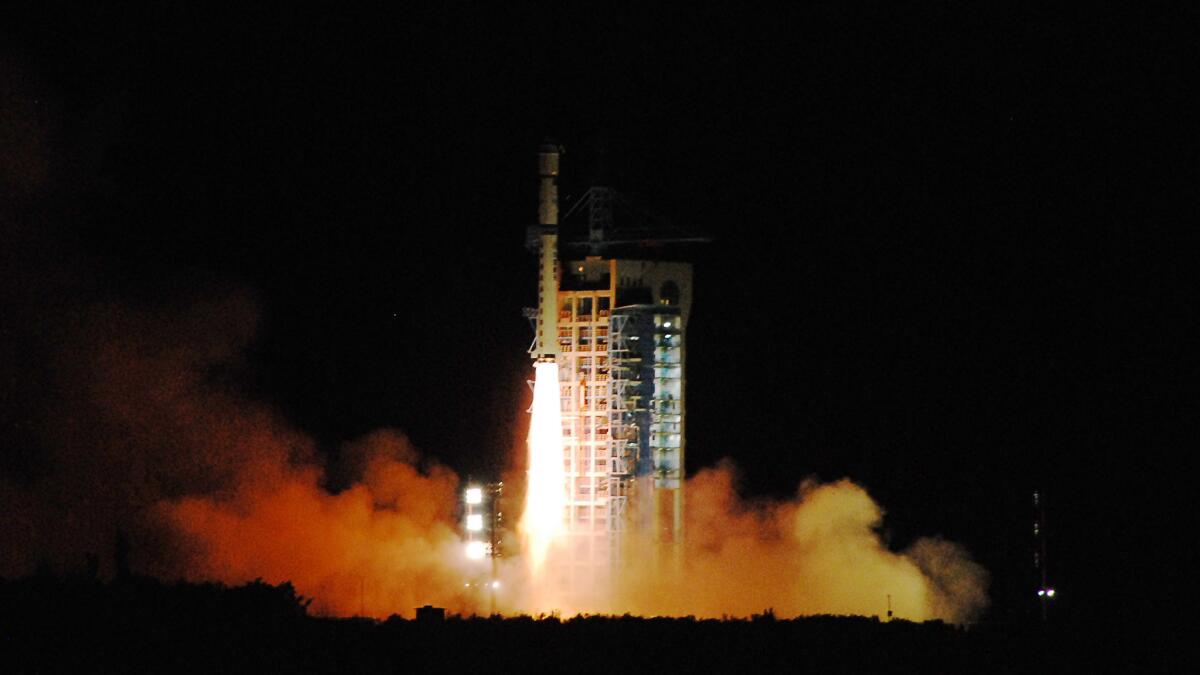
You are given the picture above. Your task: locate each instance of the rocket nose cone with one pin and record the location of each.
(548, 160)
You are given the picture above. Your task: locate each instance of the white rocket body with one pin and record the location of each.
(545, 346)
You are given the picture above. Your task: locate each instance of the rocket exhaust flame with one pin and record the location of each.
(545, 494)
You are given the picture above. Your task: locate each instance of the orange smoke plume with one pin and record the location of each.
(819, 553)
(384, 545)
(147, 441)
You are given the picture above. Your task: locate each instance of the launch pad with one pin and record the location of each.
(615, 328)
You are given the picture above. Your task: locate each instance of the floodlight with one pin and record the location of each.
(475, 550)
(475, 522)
(474, 495)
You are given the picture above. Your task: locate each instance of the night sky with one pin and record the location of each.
(942, 261)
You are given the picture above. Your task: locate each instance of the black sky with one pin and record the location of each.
(943, 262)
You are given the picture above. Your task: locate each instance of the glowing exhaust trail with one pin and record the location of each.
(545, 495)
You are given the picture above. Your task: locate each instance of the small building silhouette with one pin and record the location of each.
(431, 614)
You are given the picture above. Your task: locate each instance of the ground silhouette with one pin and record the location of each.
(131, 624)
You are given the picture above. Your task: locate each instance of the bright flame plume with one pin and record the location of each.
(545, 494)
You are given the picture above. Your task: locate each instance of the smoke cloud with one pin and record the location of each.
(150, 442)
(143, 440)
(384, 545)
(819, 553)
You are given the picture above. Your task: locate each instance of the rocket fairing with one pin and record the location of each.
(545, 345)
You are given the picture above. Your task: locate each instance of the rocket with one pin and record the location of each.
(545, 344)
